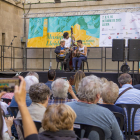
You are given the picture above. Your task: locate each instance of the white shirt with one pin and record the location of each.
(131, 96)
(82, 50)
(4, 107)
(4, 126)
(67, 42)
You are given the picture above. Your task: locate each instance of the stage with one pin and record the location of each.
(43, 75)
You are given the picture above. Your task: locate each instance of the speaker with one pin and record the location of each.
(134, 50)
(118, 49)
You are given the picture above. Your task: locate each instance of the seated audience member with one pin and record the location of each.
(58, 123)
(60, 88)
(71, 80)
(110, 94)
(32, 73)
(51, 77)
(30, 80)
(30, 131)
(9, 95)
(88, 112)
(129, 95)
(5, 124)
(77, 79)
(39, 94)
(4, 107)
(103, 80)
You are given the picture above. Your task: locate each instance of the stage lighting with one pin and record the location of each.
(57, 1)
(125, 68)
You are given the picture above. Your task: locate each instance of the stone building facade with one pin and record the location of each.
(13, 25)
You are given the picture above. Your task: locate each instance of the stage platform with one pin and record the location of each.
(43, 75)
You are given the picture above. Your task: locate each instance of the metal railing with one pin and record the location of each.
(12, 59)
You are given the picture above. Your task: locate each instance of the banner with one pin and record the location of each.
(93, 30)
(119, 26)
(47, 32)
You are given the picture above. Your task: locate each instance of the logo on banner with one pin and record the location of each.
(112, 33)
(132, 28)
(124, 28)
(135, 37)
(112, 29)
(117, 33)
(104, 34)
(137, 33)
(117, 37)
(128, 33)
(104, 29)
(109, 37)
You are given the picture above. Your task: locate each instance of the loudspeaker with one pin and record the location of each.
(134, 50)
(118, 49)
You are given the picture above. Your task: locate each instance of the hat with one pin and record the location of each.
(62, 40)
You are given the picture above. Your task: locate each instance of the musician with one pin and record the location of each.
(82, 52)
(63, 59)
(68, 40)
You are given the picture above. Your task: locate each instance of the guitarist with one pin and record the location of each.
(60, 50)
(81, 55)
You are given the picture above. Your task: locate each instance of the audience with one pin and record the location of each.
(32, 73)
(77, 79)
(60, 88)
(39, 94)
(58, 119)
(58, 123)
(103, 80)
(5, 125)
(51, 77)
(30, 80)
(129, 95)
(30, 132)
(88, 112)
(110, 93)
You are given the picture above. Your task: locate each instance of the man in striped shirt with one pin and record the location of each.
(130, 96)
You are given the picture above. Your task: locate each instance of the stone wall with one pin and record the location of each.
(11, 24)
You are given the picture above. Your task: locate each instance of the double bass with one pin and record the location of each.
(73, 46)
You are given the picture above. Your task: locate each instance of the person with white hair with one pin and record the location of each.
(88, 112)
(30, 80)
(60, 88)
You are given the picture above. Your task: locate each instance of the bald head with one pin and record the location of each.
(125, 78)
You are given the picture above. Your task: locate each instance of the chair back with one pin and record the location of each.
(120, 119)
(38, 125)
(13, 111)
(88, 51)
(88, 128)
(18, 122)
(19, 128)
(6, 100)
(129, 127)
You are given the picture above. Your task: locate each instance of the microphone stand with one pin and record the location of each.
(11, 52)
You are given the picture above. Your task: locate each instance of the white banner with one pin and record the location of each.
(119, 26)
